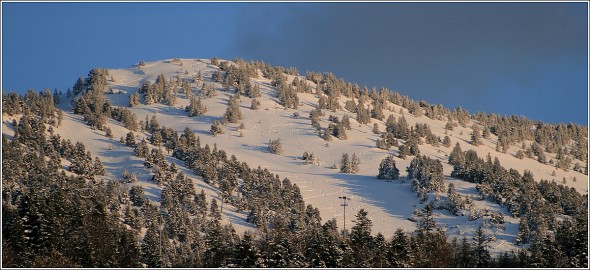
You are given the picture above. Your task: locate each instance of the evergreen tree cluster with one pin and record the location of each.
(134, 99)
(287, 95)
(309, 158)
(207, 91)
(349, 164)
(363, 114)
(196, 107)
(509, 188)
(275, 146)
(301, 85)
(51, 219)
(315, 115)
(216, 128)
(337, 128)
(93, 104)
(237, 75)
(426, 175)
(410, 148)
(544, 207)
(398, 129)
(163, 90)
(516, 129)
(126, 117)
(387, 169)
(233, 113)
(41, 104)
(209, 165)
(31, 131)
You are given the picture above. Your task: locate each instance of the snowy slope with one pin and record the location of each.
(389, 204)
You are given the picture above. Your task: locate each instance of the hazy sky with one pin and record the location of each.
(527, 59)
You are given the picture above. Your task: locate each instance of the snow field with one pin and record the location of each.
(389, 204)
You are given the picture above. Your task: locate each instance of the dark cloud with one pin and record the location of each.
(507, 58)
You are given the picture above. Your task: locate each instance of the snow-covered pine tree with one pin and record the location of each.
(354, 163)
(387, 169)
(345, 163)
(216, 128)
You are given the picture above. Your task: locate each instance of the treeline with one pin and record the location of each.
(565, 139)
(41, 104)
(570, 138)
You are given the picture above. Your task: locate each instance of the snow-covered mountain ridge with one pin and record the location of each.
(390, 204)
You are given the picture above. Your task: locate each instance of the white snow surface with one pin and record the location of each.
(389, 204)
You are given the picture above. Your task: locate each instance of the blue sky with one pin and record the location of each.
(526, 59)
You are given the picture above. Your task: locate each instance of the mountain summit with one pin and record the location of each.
(205, 148)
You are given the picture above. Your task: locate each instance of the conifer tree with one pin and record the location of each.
(98, 167)
(134, 99)
(475, 135)
(524, 233)
(399, 253)
(56, 96)
(361, 239)
(350, 105)
(130, 139)
(454, 202)
(354, 164)
(486, 132)
(255, 104)
(464, 256)
(233, 113)
(247, 253)
(196, 107)
(387, 169)
(216, 128)
(339, 131)
(363, 115)
(426, 222)
(481, 256)
(275, 146)
(79, 86)
(376, 128)
(446, 141)
(253, 92)
(327, 135)
(151, 248)
(449, 126)
(377, 111)
(457, 156)
(345, 164)
(109, 133)
(346, 121)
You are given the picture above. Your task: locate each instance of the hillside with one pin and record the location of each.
(390, 204)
